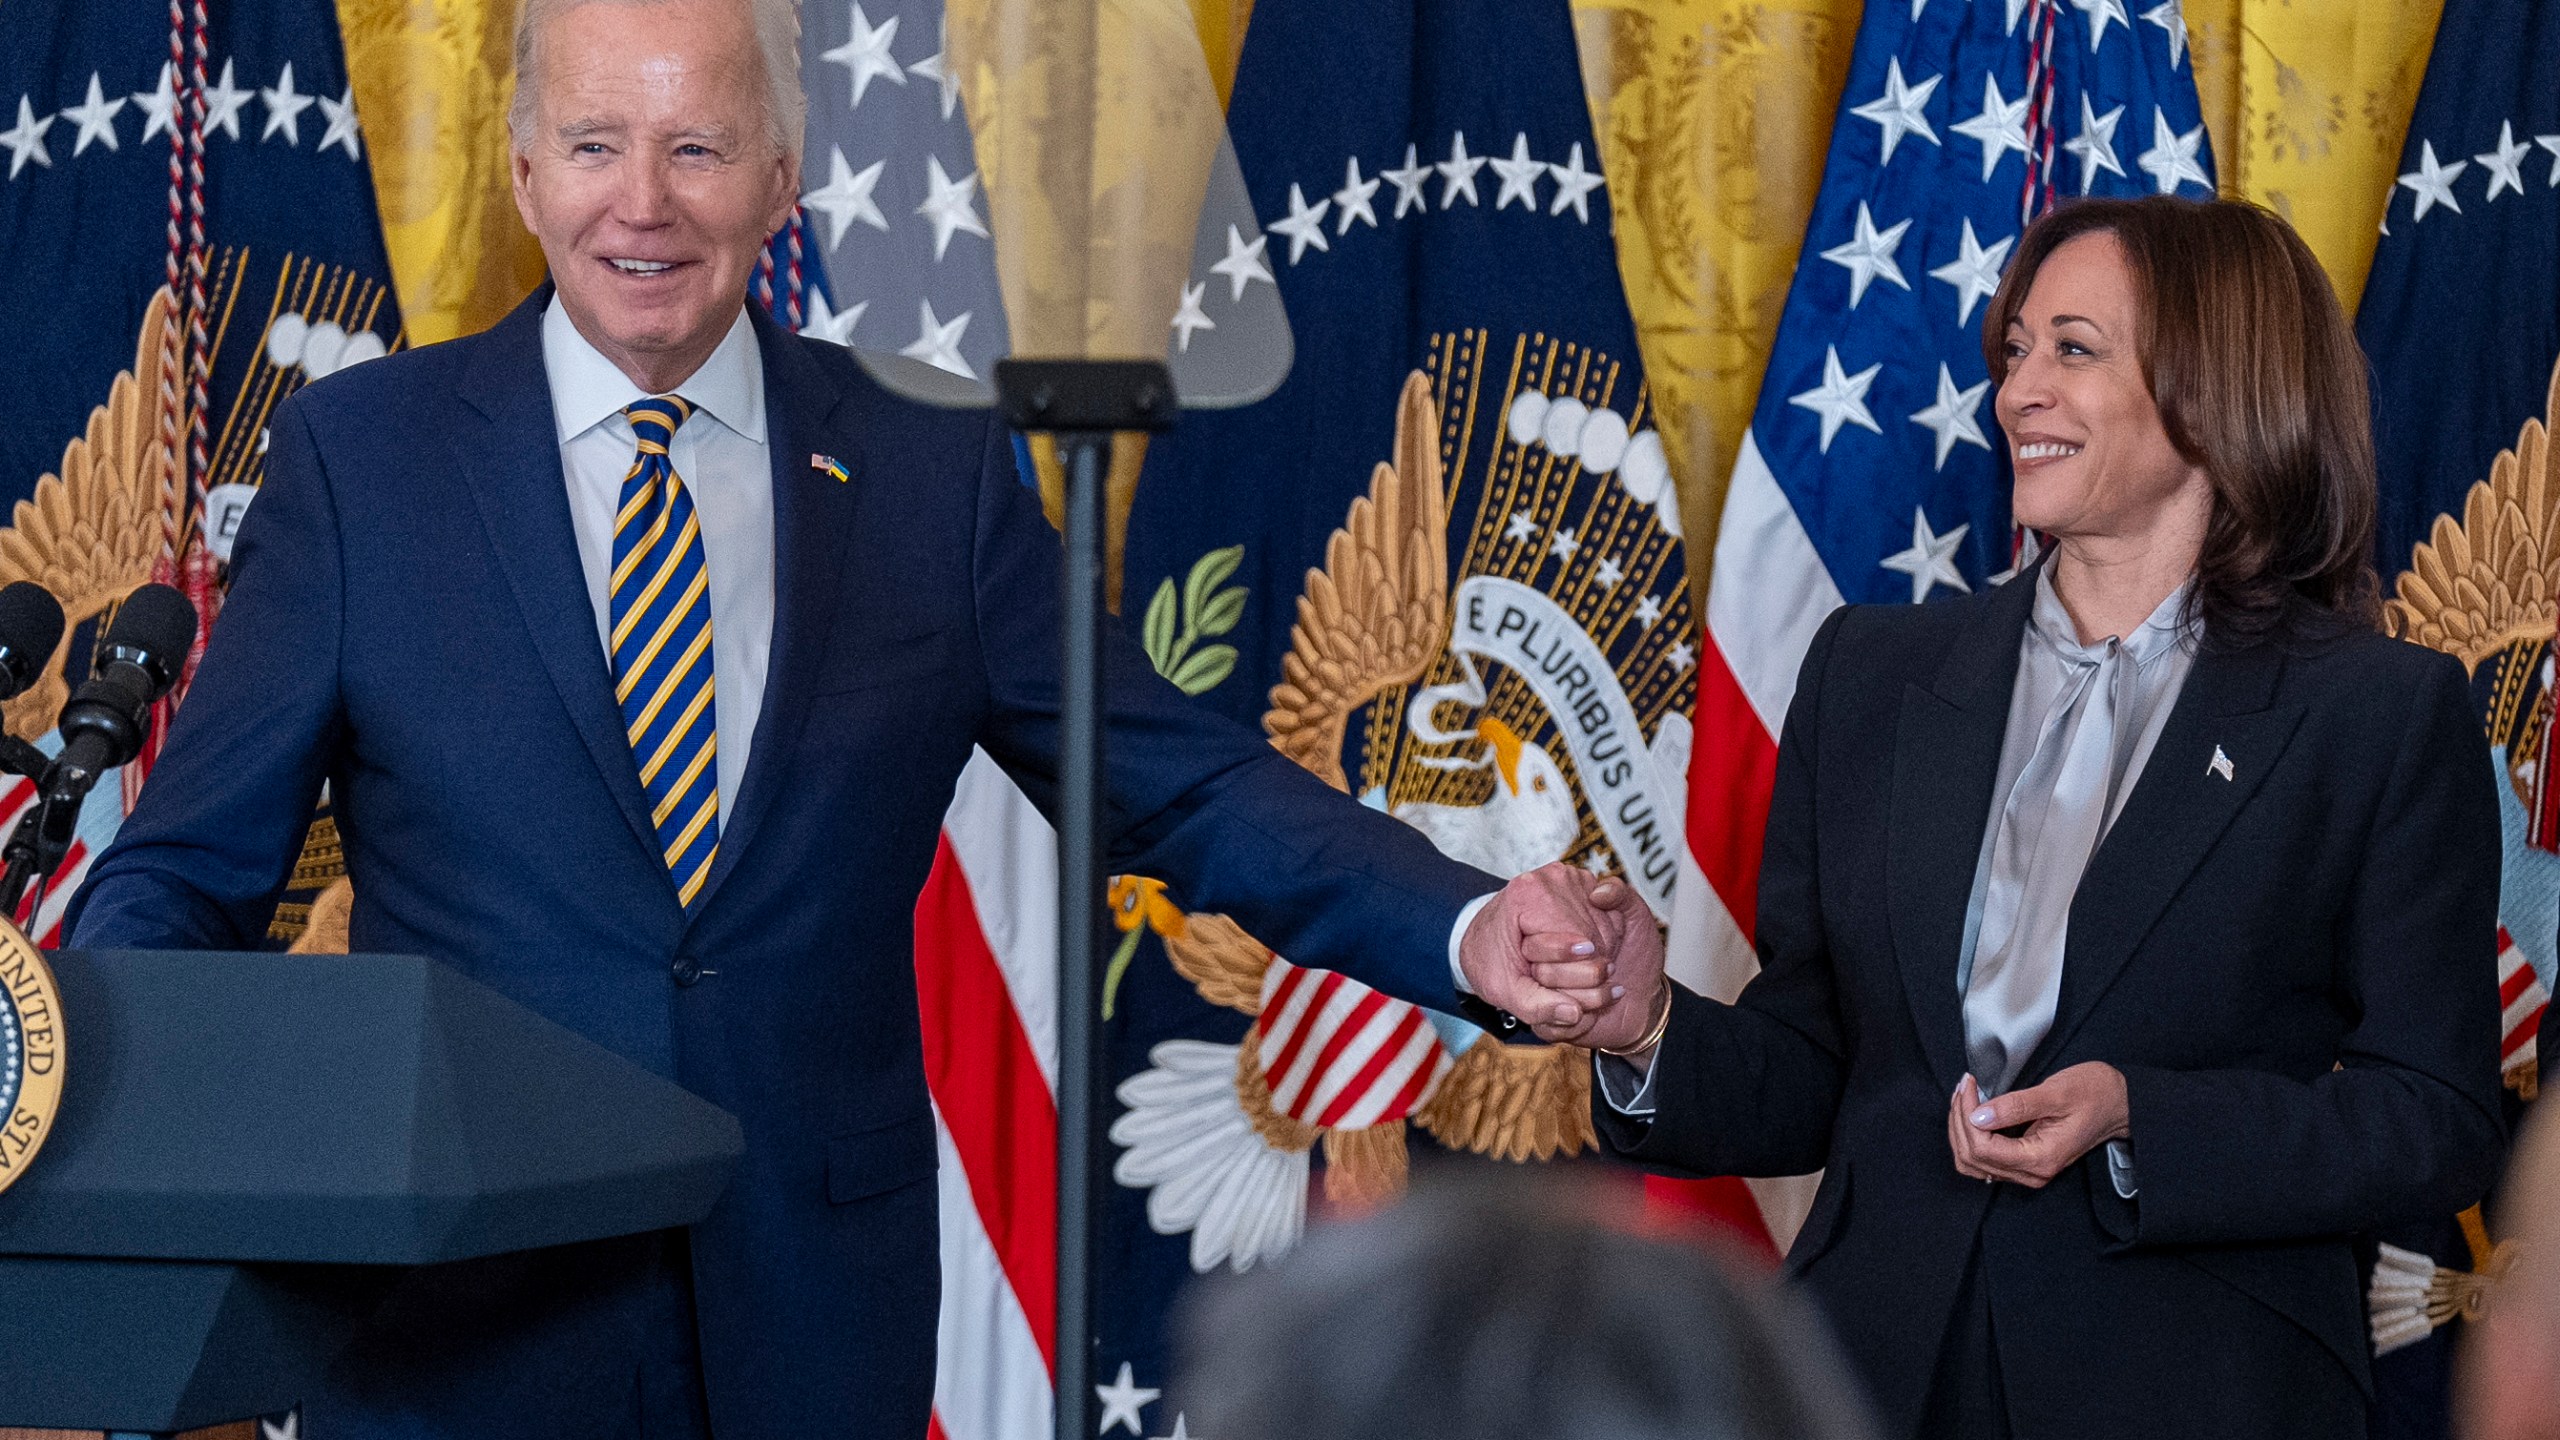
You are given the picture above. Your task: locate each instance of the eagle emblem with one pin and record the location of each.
(1534, 711)
(2485, 589)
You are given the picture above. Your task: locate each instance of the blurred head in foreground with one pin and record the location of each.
(1489, 1309)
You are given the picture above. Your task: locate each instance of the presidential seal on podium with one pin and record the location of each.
(30, 1052)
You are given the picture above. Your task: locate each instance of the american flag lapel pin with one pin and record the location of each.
(2220, 764)
(829, 465)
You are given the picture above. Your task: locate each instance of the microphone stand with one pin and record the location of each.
(1081, 402)
(43, 834)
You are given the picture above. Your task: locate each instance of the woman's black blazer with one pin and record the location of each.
(2294, 967)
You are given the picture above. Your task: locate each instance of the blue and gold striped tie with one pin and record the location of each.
(662, 647)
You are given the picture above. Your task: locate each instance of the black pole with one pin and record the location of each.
(1081, 402)
(1087, 459)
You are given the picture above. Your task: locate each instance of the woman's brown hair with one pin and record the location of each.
(2258, 380)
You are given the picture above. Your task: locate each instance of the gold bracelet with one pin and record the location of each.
(1653, 1034)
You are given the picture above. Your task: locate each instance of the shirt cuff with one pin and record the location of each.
(1628, 1090)
(1458, 935)
(2120, 1169)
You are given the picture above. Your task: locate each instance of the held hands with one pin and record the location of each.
(2070, 1114)
(1577, 958)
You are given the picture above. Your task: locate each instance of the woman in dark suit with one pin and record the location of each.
(2128, 931)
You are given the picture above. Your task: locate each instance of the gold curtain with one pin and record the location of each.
(432, 79)
(1714, 116)
(2307, 102)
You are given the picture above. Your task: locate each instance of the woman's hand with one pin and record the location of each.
(2066, 1117)
(1627, 968)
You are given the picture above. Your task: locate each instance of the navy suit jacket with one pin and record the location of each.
(2294, 967)
(408, 621)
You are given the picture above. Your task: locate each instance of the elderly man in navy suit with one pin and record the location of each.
(640, 720)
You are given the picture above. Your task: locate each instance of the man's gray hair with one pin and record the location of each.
(777, 24)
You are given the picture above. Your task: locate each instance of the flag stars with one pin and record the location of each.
(1351, 202)
(1956, 415)
(1597, 862)
(833, 326)
(25, 140)
(1868, 255)
(1648, 612)
(937, 341)
(96, 117)
(1975, 272)
(1180, 1421)
(1841, 398)
(222, 105)
(1123, 1400)
(1458, 172)
(2099, 13)
(2171, 160)
(1304, 224)
(1522, 529)
(1564, 545)
(1189, 316)
(2000, 127)
(284, 108)
(937, 68)
(1520, 176)
(1680, 656)
(1409, 182)
(2432, 182)
(1243, 264)
(1574, 185)
(1608, 572)
(1897, 111)
(2504, 164)
(865, 55)
(1931, 560)
(846, 197)
(948, 204)
(159, 107)
(2170, 18)
(341, 115)
(2096, 142)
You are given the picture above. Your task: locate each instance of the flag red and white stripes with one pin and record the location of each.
(1767, 595)
(986, 981)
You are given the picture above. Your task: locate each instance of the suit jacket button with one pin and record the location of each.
(686, 970)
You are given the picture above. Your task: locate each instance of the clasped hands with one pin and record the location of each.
(2073, 1112)
(1575, 957)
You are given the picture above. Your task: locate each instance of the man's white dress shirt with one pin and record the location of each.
(721, 455)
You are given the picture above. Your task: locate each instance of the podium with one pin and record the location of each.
(251, 1148)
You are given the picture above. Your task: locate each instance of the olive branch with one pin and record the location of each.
(1175, 626)
(1203, 612)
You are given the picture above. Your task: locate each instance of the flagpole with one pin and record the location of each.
(1081, 403)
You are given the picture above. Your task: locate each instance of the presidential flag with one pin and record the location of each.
(192, 236)
(1873, 472)
(2461, 320)
(1441, 568)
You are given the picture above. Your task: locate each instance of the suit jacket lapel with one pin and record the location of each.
(2177, 811)
(812, 525)
(513, 469)
(1946, 754)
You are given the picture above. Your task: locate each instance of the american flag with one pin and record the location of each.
(891, 252)
(1872, 472)
(892, 203)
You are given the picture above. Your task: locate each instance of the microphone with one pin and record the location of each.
(30, 628)
(110, 714)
